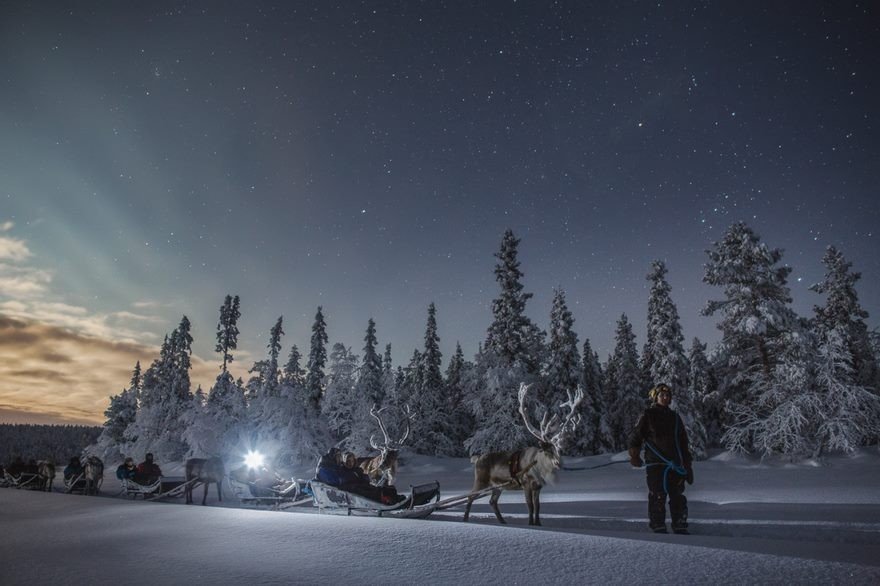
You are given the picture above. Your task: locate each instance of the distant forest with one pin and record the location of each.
(57, 443)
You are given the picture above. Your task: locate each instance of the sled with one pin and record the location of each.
(75, 484)
(134, 489)
(173, 487)
(334, 500)
(26, 480)
(289, 493)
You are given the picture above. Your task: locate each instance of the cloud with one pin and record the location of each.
(51, 373)
(61, 362)
(12, 249)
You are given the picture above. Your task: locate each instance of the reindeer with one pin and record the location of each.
(206, 472)
(528, 469)
(382, 469)
(93, 474)
(45, 475)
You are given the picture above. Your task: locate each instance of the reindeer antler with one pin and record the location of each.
(552, 425)
(375, 413)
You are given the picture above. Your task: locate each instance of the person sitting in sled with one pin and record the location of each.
(669, 461)
(73, 469)
(126, 470)
(356, 480)
(330, 469)
(148, 471)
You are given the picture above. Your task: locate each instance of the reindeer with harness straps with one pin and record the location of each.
(382, 469)
(531, 468)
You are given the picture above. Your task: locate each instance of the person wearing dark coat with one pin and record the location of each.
(148, 471)
(330, 470)
(668, 461)
(126, 470)
(73, 469)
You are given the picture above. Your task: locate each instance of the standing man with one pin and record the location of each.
(668, 457)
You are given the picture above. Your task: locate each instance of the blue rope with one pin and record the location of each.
(670, 465)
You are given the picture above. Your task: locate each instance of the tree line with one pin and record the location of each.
(776, 383)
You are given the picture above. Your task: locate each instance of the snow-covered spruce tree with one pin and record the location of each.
(849, 413)
(624, 391)
(264, 388)
(512, 355)
(339, 402)
(368, 392)
(591, 426)
(782, 417)
(219, 426)
(702, 387)
(843, 313)
(112, 444)
(317, 360)
(293, 374)
(227, 328)
(165, 396)
(433, 429)
(272, 376)
(664, 360)
(461, 423)
(756, 322)
(389, 378)
(563, 373)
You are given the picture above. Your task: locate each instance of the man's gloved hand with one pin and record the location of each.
(690, 475)
(634, 458)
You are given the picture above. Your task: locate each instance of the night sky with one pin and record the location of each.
(368, 156)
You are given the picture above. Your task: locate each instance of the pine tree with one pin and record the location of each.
(843, 313)
(434, 432)
(512, 337)
(370, 380)
(564, 373)
(592, 426)
(756, 317)
(849, 413)
(271, 377)
(702, 387)
(625, 393)
(512, 355)
(339, 405)
(227, 329)
(664, 359)
(121, 415)
(293, 374)
(165, 398)
(317, 360)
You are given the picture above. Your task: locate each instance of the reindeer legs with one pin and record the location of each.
(533, 500)
(493, 500)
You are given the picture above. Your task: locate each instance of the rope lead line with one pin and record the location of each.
(670, 465)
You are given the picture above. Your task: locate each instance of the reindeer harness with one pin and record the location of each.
(515, 468)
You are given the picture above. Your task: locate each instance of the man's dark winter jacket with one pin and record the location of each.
(657, 426)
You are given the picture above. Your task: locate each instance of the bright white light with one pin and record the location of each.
(253, 459)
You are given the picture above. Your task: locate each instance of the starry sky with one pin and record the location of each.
(368, 156)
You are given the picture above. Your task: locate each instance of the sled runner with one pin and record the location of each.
(334, 500)
(288, 493)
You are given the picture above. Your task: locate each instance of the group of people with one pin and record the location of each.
(147, 472)
(340, 469)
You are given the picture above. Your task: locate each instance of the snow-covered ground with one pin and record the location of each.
(751, 523)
